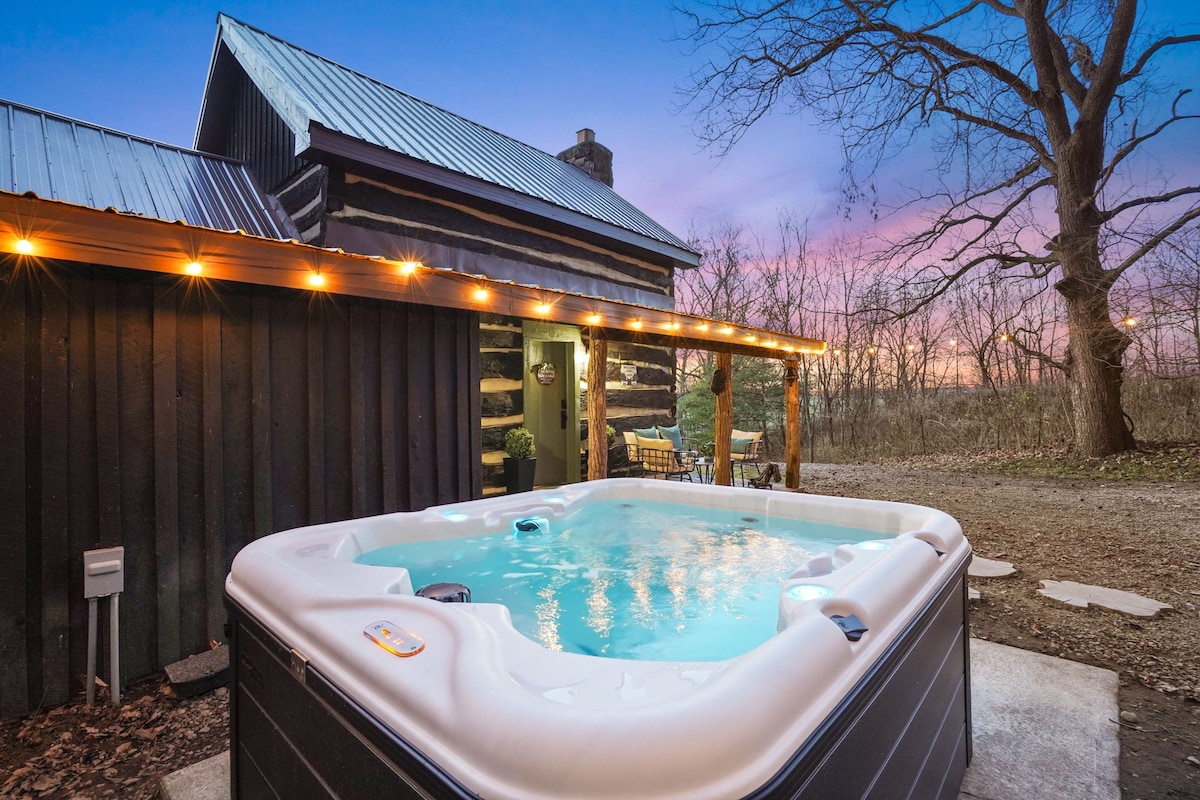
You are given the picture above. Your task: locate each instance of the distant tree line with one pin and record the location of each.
(976, 368)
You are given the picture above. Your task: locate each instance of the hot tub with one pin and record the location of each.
(347, 684)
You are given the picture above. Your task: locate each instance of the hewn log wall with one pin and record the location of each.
(184, 418)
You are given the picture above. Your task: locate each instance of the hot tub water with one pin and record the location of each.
(631, 578)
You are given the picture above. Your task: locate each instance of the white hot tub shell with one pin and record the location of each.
(319, 709)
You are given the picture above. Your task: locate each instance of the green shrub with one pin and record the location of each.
(518, 443)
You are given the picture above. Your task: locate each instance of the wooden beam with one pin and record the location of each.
(597, 372)
(723, 387)
(791, 432)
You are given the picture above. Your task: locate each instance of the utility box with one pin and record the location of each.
(103, 572)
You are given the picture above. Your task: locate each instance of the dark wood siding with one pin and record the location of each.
(183, 419)
(254, 133)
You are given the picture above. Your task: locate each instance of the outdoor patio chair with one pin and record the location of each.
(743, 449)
(659, 457)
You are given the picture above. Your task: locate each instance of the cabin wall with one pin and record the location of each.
(367, 215)
(183, 418)
(256, 134)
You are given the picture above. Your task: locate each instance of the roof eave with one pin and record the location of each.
(326, 142)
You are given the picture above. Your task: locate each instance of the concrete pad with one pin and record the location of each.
(1042, 728)
(1042, 731)
(204, 780)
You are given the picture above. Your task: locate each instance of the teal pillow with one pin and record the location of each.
(740, 446)
(646, 433)
(673, 434)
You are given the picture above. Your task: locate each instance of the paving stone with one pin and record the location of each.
(987, 568)
(1081, 595)
(200, 673)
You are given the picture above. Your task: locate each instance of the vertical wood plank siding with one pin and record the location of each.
(256, 134)
(183, 419)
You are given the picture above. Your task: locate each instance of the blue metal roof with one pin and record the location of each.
(63, 159)
(305, 88)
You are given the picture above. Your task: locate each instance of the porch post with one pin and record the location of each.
(791, 435)
(597, 374)
(723, 388)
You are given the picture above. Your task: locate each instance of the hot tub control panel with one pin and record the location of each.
(394, 638)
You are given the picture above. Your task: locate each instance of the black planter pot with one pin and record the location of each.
(518, 474)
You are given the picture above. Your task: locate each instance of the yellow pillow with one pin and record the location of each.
(655, 444)
(755, 435)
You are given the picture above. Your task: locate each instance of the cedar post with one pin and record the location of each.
(723, 387)
(791, 435)
(597, 375)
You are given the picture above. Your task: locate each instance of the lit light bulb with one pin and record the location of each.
(24, 247)
(703, 326)
(481, 293)
(542, 308)
(316, 280)
(1129, 322)
(409, 267)
(593, 319)
(954, 342)
(771, 343)
(727, 330)
(194, 268)
(910, 347)
(636, 324)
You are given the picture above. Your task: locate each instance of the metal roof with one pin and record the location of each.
(305, 88)
(63, 159)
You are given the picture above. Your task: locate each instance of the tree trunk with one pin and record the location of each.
(1094, 363)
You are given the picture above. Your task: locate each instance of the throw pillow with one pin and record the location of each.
(646, 433)
(740, 446)
(673, 434)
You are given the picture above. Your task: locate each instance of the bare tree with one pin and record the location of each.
(1036, 109)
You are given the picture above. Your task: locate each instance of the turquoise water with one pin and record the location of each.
(627, 579)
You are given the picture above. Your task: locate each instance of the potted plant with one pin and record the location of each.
(520, 463)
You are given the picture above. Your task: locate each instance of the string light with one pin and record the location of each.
(24, 247)
(593, 319)
(954, 342)
(409, 267)
(871, 349)
(910, 347)
(316, 280)
(480, 293)
(193, 268)
(1004, 337)
(542, 308)
(703, 326)
(636, 324)
(727, 330)
(1129, 322)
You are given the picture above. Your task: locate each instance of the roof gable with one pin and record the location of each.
(310, 92)
(58, 158)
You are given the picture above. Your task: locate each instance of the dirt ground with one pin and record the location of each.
(1142, 537)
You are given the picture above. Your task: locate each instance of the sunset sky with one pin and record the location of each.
(536, 71)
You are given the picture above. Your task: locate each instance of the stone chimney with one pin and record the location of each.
(590, 156)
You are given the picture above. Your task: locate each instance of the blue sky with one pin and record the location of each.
(537, 71)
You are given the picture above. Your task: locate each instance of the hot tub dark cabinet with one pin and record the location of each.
(903, 732)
